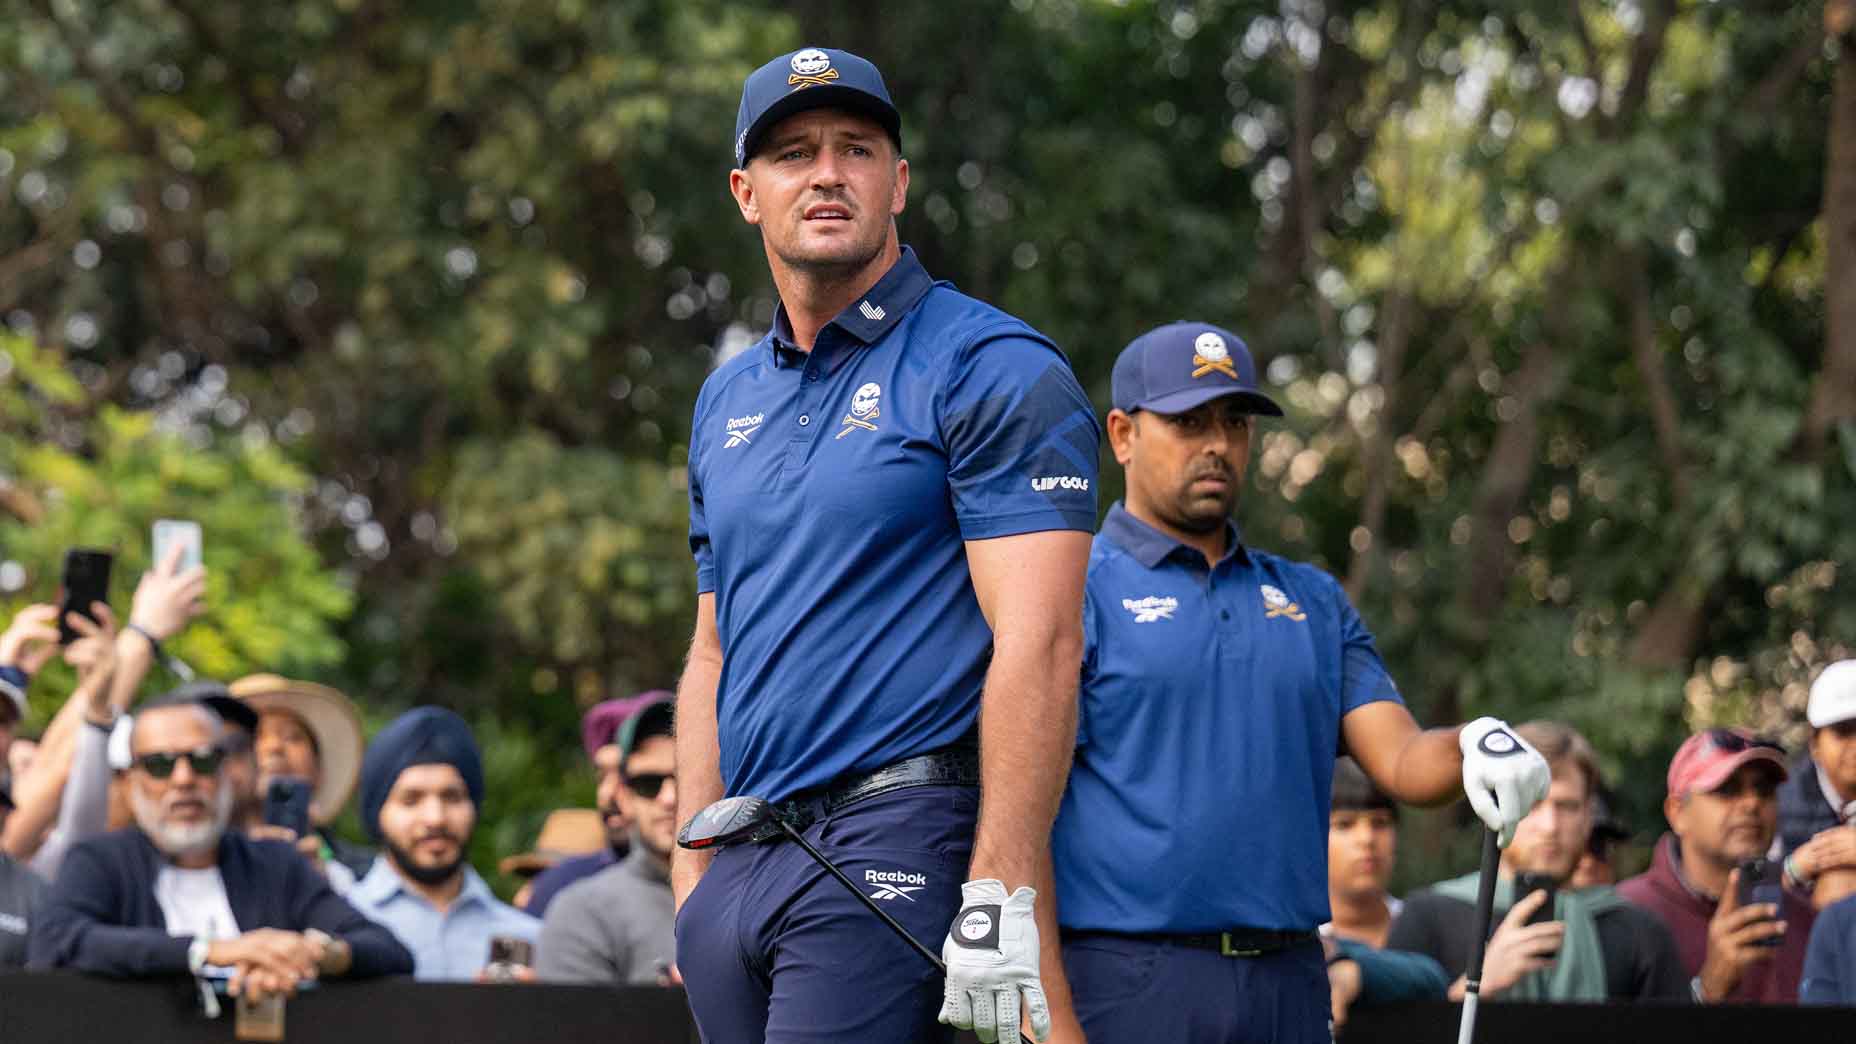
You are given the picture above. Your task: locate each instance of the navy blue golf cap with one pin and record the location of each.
(1176, 367)
(811, 78)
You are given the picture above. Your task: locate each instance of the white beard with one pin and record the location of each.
(186, 839)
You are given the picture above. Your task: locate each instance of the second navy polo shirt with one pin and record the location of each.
(1211, 703)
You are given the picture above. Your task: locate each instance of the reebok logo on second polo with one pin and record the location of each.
(895, 884)
(1151, 608)
(741, 430)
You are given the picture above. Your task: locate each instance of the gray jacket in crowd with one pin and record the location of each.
(617, 927)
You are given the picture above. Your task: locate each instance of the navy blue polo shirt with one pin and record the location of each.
(830, 496)
(1210, 717)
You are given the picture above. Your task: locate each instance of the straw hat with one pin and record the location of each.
(330, 718)
(566, 832)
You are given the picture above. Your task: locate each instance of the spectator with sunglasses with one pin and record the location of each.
(180, 893)
(1723, 809)
(618, 927)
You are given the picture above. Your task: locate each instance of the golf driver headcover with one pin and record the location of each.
(1503, 776)
(992, 956)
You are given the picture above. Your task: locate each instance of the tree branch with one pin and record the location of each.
(1665, 417)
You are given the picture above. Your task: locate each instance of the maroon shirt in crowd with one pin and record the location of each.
(1663, 891)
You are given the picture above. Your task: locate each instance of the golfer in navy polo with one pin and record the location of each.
(1219, 682)
(891, 497)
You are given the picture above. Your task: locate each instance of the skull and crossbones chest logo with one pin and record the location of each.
(864, 409)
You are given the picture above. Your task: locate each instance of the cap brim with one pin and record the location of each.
(1722, 771)
(234, 710)
(528, 864)
(337, 728)
(1192, 398)
(849, 99)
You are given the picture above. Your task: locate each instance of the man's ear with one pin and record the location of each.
(741, 186)
(1121, 428)
(899, 197)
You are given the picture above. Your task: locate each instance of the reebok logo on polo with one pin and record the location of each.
(895, 884)
(1151, 608)
(741, 430)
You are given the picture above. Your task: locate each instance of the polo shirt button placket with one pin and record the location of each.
(805, 419)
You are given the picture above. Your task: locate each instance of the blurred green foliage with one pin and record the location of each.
(412, 301)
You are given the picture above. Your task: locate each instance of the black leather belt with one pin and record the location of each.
(956, 765)
(1238, 942)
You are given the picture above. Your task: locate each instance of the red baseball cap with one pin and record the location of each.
(1708, 758)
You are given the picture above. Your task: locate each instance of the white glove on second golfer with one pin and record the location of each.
(992, 955)
(1503, 776)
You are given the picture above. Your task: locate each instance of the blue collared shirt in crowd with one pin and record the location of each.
(449, 946)
(1210, 711)
(831, 492)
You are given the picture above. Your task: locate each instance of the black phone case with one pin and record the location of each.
(86, 580)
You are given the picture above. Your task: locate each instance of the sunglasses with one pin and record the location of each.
(160, 765)
(648, 784)
(1733, 742)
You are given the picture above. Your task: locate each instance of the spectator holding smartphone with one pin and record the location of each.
(1723, 810)
(28, 643)
(67, 797)
(311, 732)
(1593, 946)
(179, 892)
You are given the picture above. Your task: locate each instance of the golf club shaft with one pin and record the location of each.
(831, 868)
(896, 926)
(1485, 914)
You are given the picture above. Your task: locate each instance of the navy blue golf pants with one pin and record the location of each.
(773, 949)
(1136, 991)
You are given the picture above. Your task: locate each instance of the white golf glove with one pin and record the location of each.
(1503, 776)
(992, 955)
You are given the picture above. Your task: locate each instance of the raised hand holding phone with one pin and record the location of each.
(86, 582)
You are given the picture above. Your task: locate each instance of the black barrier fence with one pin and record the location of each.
(62, 1007)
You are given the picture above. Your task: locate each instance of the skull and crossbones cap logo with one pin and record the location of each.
(811, 78)
(1176, 367)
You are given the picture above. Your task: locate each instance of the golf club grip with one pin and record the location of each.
(870, 904)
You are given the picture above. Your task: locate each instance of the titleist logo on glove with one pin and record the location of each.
(977, 927)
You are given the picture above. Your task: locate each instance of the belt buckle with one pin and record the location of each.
(1225, 949)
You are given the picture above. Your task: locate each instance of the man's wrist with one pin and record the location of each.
(1795, 873)
(153, 640)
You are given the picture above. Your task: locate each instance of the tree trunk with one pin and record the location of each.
(1833, 397)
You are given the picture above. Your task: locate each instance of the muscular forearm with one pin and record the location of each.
(1429, 770)
(699, 759)
(1064, 1025)
(1027, 731)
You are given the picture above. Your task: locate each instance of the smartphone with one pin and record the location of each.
(86, 580)
(286, 804)
(1760, 883)
(168, 532)
(507, 953)
(1526, 883)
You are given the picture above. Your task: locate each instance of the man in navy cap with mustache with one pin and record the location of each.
(1218, 683)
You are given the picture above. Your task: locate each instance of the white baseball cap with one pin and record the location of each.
(1833, 695)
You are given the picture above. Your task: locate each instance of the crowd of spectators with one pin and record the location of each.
(149, 837)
